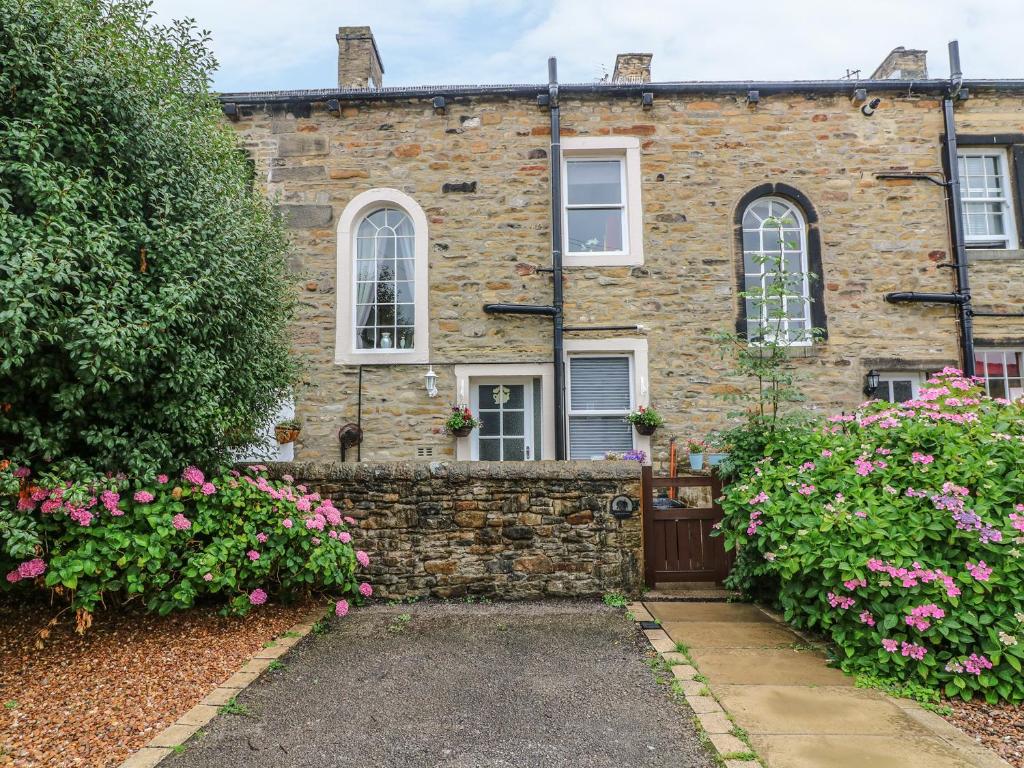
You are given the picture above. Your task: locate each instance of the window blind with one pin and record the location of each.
(599, 384)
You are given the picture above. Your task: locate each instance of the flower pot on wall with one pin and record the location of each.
(645, 429)
(714, 459)
(462, 431)
(696, 461)
(286, 435)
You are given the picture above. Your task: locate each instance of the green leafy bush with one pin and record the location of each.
(143, 292)
(237, 538)
(899, 533)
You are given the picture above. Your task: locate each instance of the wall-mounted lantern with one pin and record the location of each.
(871, 380)
(430, 379)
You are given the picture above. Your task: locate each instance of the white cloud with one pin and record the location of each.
(264, 44)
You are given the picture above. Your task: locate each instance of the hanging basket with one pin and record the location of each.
(286, 435)
(645, 429)
(462, 431)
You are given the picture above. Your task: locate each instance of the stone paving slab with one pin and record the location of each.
(907, 751)
(721, 634)
(777, 709)
(798, 712)
(707, 612)
(767, 666)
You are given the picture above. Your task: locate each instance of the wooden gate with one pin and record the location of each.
(678, 515)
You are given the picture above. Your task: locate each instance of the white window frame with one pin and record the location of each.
(1009, 238)
(886, 379)
(467, 376)
(983, 353)
(636, 351)
(808, 339)
(626, 149)
(345, 350)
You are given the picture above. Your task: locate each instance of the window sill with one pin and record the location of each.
(602, 260)
(995, 254)
(408, 357)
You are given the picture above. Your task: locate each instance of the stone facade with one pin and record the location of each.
(479, 168)
(487, 529)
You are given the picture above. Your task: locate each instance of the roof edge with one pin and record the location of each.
(933, 87)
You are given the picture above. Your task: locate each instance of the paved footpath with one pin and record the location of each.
(513, 685)
(798, 712)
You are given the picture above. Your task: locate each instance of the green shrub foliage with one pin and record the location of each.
(236, 538)
(899, 533)
(143, 297)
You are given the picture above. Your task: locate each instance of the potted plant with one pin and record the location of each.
(717, 449)
(287, 431)
(696, 451)
(460, 421)
(645, 420)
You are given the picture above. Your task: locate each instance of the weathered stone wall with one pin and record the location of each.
(699, 156)
(515, 530)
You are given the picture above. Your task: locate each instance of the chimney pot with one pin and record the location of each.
(903, 64)
(632, 68)
(359, 64)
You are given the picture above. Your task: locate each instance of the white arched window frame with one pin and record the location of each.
(769, 254)
(347, 348)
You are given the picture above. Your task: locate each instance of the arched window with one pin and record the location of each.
(385, 281)
(781, 270)
(382, 280)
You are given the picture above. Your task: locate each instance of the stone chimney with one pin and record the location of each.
(903, 64)
(358, 59)
(632, 68)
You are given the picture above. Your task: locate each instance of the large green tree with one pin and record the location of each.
(143, 293)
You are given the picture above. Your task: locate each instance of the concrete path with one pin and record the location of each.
(796, 711)
(455, 685)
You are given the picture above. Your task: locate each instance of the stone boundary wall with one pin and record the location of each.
(500, 530)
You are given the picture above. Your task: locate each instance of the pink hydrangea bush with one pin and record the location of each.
(173, 539)
(909, 550)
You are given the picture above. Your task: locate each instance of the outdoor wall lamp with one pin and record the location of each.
(869, 109)
(871, 380)
(431, 382)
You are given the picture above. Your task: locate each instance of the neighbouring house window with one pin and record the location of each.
(601, 201)
(385, 305)
(774, 251)
(600, 396)
(986, 197)
(382, 280)
(898, 386)
(1001, 370)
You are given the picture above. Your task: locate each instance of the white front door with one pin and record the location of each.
(505, 409)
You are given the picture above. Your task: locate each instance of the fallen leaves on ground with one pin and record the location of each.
(93, 699)
(1000, 727)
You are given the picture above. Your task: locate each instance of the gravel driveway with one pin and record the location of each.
(459, 686)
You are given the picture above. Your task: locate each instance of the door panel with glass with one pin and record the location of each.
(506, 411)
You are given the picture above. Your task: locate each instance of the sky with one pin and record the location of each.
(275, 44)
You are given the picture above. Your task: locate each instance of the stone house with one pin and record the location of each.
(414, 208)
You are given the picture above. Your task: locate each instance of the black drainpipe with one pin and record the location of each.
(961, 297)
(556, 257)
(956, 213)
(557, 302)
